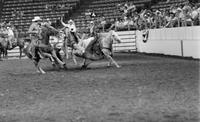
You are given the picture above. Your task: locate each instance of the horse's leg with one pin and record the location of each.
(39, 69)
(20, 52)
(0, 55)
(85, 63)
(74, 57)
(49, 56)
(108, 56)
(3, 53)
(6, 53)
(111, 55)
(57, 59)
(66, 52)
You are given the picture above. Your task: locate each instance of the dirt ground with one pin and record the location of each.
(146, 89)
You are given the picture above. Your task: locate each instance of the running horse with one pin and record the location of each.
(17, 41)
(102, 48)
(44, 49)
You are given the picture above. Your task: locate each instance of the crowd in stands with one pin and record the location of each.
(17, 14)
(56, 7)
(184, 14)
(133, 18)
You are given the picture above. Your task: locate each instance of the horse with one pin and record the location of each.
(2, 51)
(102, 48)
(44, 49)
(4, 44)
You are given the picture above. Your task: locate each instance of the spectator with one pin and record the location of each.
(195, 15)
(173, 21)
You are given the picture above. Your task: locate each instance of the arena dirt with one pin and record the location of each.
(145, 89)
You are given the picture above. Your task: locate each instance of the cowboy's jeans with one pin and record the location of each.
(10, 41)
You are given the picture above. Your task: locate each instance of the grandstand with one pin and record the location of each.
(106, 8)
(31, 8)
(74, 9)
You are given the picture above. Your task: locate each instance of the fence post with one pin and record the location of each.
(128, 27)
(182, 51)
(178, 22)
(103, 28)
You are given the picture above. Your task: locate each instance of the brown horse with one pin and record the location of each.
(44, 49)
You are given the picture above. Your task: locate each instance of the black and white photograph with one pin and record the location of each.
(99, 60)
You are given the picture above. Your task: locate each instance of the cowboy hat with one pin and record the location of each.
(36, 18)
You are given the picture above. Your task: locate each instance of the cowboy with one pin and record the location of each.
(72, 29)
(35, 34)
(10, 33)
(92, 35)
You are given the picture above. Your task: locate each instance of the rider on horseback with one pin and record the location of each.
(35, 35)
(71, 28)
(92, 35)
(10, 33)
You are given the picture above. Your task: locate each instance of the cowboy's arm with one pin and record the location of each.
(132, 7)
(32, 30)
(66, 25)
(51, 27)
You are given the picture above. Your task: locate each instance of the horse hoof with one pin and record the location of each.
(65, 67)
(54, 65)
(43, 72)
(84, 67)
(118, 66)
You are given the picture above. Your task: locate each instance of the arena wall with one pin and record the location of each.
(183, 41)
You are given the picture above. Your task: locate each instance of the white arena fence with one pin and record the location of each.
(181, 41)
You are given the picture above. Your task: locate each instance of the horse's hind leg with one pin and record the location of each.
(49, 56)
(108, 56)
(85, 63)
(39, 69)
(6, 54)
(74, 58)
(57, 59)
(0, 55)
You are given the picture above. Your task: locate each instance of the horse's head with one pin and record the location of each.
(115, 36)
(72, 28)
